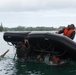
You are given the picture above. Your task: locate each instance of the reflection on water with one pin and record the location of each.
(8, 66)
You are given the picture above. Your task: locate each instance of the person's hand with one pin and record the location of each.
(56, 32)
(25, 41)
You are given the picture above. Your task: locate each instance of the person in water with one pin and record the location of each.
(26, 43)
(27, 47)
(68, 31)
(22, 49)
(56, 61)
(1, 56)
(40, 57)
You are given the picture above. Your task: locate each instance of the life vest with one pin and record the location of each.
(25, 47)
(57, 59)
(68, 32)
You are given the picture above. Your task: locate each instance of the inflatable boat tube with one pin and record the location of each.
(14, 37)
(52, 43)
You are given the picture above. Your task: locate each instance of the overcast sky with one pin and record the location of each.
(34, 13)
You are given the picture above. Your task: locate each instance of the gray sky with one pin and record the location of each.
(34, 13)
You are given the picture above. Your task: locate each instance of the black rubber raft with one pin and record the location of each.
(45, 42)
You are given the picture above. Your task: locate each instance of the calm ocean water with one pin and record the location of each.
(10, 67)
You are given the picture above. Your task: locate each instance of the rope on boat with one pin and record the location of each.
(62, 53)
(52, 48)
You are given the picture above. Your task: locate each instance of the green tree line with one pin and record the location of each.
(21, 28)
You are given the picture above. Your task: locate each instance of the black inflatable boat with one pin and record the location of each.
(45, 42)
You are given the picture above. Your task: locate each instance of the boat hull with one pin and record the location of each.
(45, 43)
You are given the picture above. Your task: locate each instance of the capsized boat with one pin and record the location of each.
(44, 42)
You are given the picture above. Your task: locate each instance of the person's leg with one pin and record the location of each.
(62, 62)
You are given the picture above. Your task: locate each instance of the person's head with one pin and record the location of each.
(19, 44)
(25, 40)
(72, 26)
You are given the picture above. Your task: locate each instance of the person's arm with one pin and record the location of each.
(72, 35)
(4, 53)
(61, 31)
